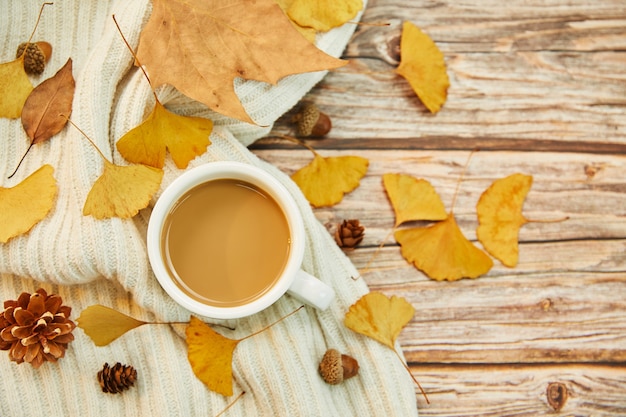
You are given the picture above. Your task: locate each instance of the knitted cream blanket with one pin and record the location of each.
(88, 261)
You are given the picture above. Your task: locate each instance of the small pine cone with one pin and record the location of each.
(35, 57)
(117, 378)
(349, 234)
(36, 328)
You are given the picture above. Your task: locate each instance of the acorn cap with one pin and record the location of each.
(310, 121)
(36, 55)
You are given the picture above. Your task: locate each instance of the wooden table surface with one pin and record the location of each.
(539, 86)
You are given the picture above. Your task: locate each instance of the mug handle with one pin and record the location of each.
(310, 290)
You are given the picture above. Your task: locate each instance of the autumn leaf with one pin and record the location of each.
(121, 191)
(210, 355)
(325, 181)
(423, 66)
(185, 137)
(23, 206)
(322, 15)
(41, 115)
(413, 198)
(201, 46)
(15, 87)
(379, 317)
(103, 324)
(442, 251)
(500, 217)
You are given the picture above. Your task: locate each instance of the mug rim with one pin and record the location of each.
(214, 171)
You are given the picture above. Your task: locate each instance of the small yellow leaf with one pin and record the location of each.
(413, 198)
(103, 324)
(185, 137)
(423, 66)
(325, 180)
(500, 217)
(23, 206)
(210, 355)
(14, 88)
(442, 252)
(121, 191)
(322, 15)
(379, 317)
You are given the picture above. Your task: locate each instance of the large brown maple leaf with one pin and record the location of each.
(201, 46)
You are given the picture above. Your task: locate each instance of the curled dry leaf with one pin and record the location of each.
(500, 217)
(121, 191)
(185, 138)
(413, 198)
(321, 15)
(15, 87)
(201, 46)
(23, 206)
(47, 107)
(423, 66)
(103, 324)
(325, 181)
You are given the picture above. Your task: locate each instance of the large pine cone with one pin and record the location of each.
(36, 328)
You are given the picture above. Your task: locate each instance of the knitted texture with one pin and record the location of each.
(88, 261)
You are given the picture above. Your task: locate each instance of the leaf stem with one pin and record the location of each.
(270, 325)
(378, 249)
(561, 219)
(86, 137)
(231, 404)
(412, 376)
(21, 160)
(37, 23)
(458, 184)
(296, 141)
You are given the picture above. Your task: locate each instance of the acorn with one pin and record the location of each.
(336, 367)
(36, 56)
(310, 121)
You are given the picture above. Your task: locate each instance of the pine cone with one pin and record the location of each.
(117, 378)
(349, 234)
(36, 328)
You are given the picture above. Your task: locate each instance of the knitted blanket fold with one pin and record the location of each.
(88, 261)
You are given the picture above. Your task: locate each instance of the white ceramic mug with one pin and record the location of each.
(292, 280)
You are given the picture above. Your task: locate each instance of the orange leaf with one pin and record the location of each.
(325, 180)
(413, 199)
(379, 317)
(500, 217)
(121, 191)
(185, 137)
(15, 87)
(422, 64)
(322, 15)
(41, 115)
(23, 206)
(442, 252)
(103, 324)
(210, 355)
(201, 46)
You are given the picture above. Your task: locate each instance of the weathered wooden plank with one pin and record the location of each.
(507, 391)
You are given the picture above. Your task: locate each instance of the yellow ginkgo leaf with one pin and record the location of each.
(423, 66)
(23, 206)
(325, 180)
(185, 137)
(321, 15)
(442, 252)
(121, 191)
(14, 88)
(103, 324)
(413, 198)
(379, 317)
(210, 355)
(500, 217)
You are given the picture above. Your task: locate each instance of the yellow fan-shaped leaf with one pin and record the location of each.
(185, 137)
(422, 64)
(379, 317)
(500, 217)
(413, 199)
(442, 252)
(103, 324)
(211, 356)
(23, 206)
(325, 180)
(14, 88)
(322, 15)
(121, 191)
